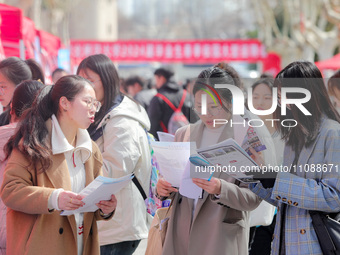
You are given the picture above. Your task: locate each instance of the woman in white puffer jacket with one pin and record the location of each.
(119, 130)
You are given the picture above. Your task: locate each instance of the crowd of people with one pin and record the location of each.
(56, 139)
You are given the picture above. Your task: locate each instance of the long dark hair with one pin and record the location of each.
(32, 137)
(24, 95)
(103, 66)
(306, 75)
(220, 73)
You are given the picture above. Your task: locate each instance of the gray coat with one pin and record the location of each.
(218, 226)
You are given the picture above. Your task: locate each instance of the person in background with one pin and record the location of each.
(135, 88)
(122, 87)
(119, 129)
(159, 111)
(262, 97)
(334, 89)
(51, 159)
(13, 71)
(313, 143)
(57, 74)
(23, 97)
(222, 213)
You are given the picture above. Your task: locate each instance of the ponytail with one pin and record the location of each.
(31, 137)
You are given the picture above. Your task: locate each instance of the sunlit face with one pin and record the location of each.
(6, 90)
(262, 97)
(214, 111)
(81, 110)
(94, 78)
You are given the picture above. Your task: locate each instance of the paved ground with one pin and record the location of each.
(141, 247)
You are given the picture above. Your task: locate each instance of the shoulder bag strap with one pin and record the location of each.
(139, 187)
(324, 238)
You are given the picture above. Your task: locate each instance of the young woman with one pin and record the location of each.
(262, 95)
(52, 158)
(312, 145)
(23, 98)
(14, 70)
(217, 223)
(119, 129)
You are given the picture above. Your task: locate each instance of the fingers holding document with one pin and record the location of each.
(108, 206)
(164, 188)
(212, 187)
(68, 200)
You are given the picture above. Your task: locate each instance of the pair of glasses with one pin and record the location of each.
(90, 103)
(212, 110)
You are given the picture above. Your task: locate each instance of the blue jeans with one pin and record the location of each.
(122, 248)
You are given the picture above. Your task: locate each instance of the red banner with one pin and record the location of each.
(207, 51)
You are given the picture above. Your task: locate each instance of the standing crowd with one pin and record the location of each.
(56, 139)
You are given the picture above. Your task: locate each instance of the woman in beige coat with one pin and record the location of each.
(218, 222)
(52, 158)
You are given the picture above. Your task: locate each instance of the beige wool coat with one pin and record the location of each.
(218, 226)
(31, 228)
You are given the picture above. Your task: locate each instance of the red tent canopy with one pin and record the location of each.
(11, 20)
(49, 45)
(28, 34)
(14, 27)
(332, 63)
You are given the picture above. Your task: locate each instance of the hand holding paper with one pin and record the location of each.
(108, 206)
(212, 186)
(100, 189)
(164, 188)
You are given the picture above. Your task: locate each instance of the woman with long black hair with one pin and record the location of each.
(119, 130)
(312, 156)
(51, 159)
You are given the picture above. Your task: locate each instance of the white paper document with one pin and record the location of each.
(165, 137)
(99, 189)
(187, 188)
(233, 160)
(172, 159)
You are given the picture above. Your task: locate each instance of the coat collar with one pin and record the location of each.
(60, 144)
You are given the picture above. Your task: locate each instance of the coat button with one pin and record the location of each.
(61, 230)
(278, 197)
(302, 231)
(295, 203)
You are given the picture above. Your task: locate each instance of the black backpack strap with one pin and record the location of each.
(139, 187)
(321, 231)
